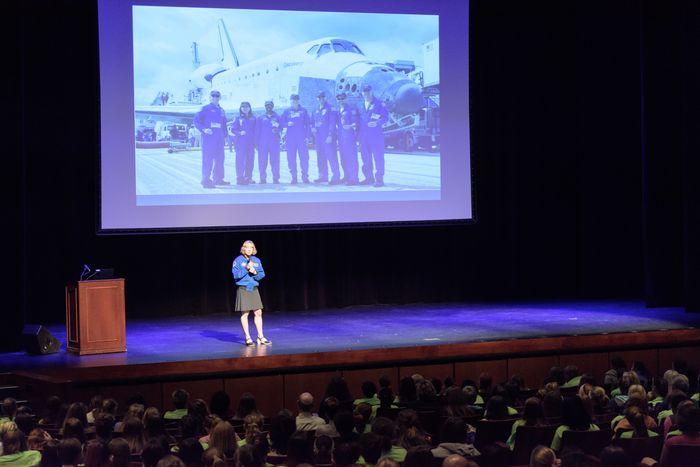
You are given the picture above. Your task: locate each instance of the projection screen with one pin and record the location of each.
(357, 133)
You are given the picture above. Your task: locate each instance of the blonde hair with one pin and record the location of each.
(253, 424)
(669, 375)
(637, 390)
(249, 242)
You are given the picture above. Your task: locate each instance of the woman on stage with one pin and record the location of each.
(247, 271)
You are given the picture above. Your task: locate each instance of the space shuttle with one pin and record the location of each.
(330, 64)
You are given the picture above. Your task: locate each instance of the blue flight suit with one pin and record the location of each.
(297, 124)
(267, 137)
(245, 146)
(372, 138)
(347, 136)
(242, 276)
(323, 122)
(212, 117)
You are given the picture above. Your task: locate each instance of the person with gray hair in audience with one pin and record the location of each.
(307, 420)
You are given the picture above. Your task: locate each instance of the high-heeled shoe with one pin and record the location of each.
(263, 341)
(249, 342)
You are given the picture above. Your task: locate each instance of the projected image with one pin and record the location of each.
(259, 106)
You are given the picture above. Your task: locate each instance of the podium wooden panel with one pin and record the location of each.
(95, 317)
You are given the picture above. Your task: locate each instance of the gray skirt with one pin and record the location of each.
(248, 301)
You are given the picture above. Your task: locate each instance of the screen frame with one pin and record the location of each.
(407, 7)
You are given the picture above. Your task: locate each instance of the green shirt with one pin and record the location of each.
(662, 416)
(615, 421)
(511, 438)
(655, 402)
(374, 400)
(21, 459)
(673, 433)
(630, 434)
(176, 414)
(695, 396)
(397, 453)
(572, 383)
(556, 441)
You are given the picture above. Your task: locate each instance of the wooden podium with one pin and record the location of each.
(95, 317)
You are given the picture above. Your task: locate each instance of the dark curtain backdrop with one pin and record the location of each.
(563, 194)
(670, 51)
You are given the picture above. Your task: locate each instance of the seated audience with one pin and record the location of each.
(323, 449)
(220, 405)
(15, 452)
(369, 394)
(154, 449)
(70, 452)
(453, 440)
(300, 449)
(346, 454)
(306, 420)
(574, 417)
(533, 415)
(410, 433)
(223, 438)
(281, 428)
(386, 429)
(179, 398)
(371, 448)
(572, 377)
(542, 456)
(635, 424)
(119, 453)
(246, 406)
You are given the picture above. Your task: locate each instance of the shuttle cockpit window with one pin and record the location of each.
(340, 45)
(313, 50)
(325, 48)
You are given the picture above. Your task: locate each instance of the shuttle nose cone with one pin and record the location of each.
(408, 99)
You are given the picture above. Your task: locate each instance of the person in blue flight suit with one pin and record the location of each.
(267, 137)
(324, 131)
(296, 123)
(247, 272)
(211, 121)
(243, 129)
(348, 122)
(373, 115)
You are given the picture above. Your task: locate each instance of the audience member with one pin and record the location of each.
(119, 453)
(542, 456)
(281, 428)
(574, 417)
(299, 449)
(224, 439)
(369, 394)
(246, 406)
(70, 452)
(220, 405)
(346, 454)
(306, 420)
(96, 454)
(533, 415)
(15, 452)
(179, 398)
(154, 449)
(453, 440)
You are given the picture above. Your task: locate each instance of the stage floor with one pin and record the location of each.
(384, 330)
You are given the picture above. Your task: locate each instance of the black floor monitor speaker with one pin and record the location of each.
(37, 340)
